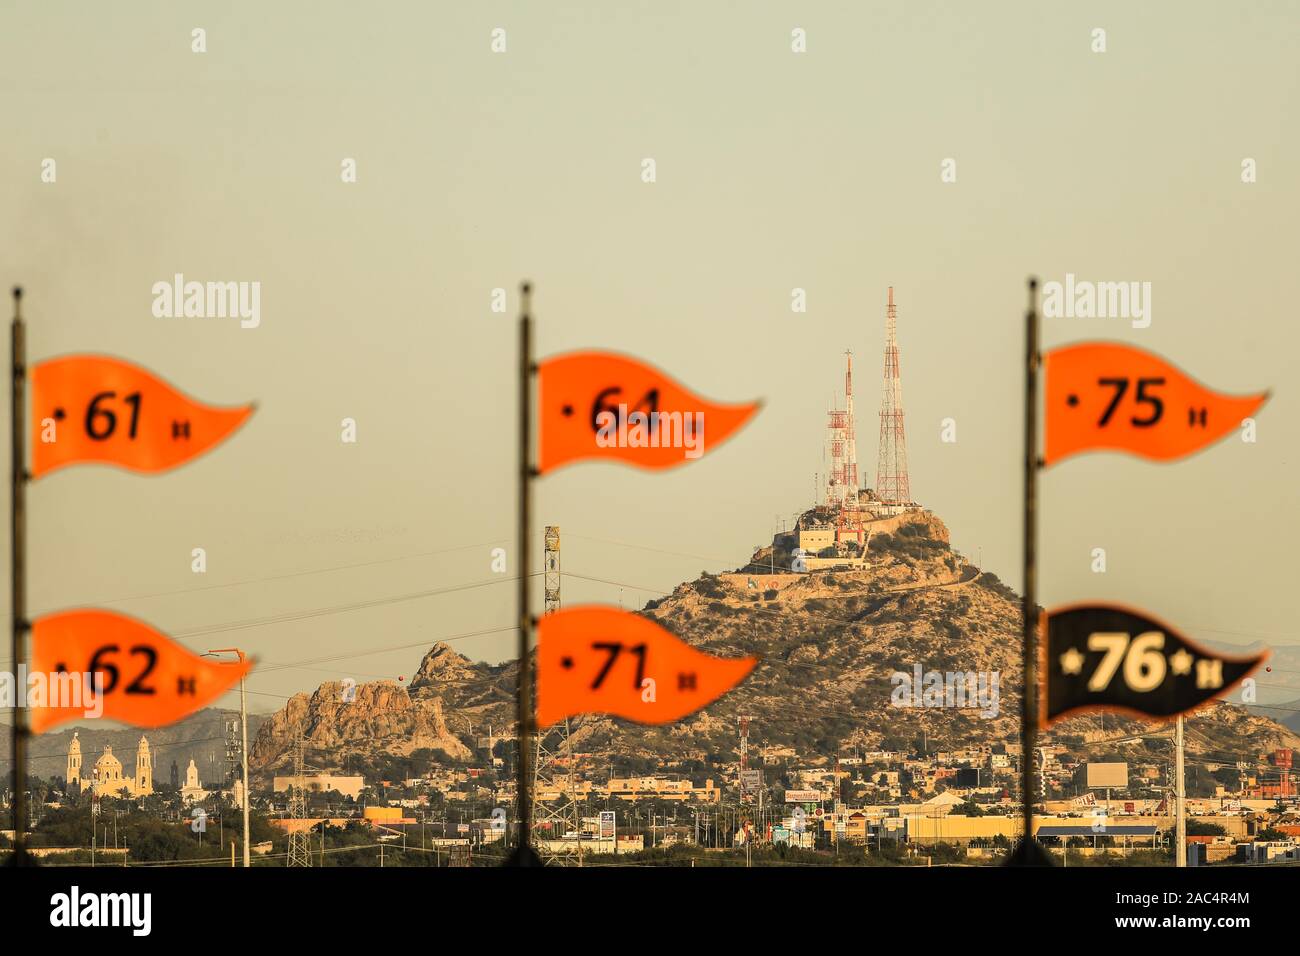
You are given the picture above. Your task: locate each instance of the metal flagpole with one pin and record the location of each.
(1029, 717)
(18, 567)
(1030, 853)
(524, 855)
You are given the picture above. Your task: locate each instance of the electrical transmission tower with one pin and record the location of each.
(232, 748)
(891, 466)
(299, 851)
(551, 568)
(556, 811)
(747, 787)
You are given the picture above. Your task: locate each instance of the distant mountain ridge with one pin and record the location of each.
(199, 737)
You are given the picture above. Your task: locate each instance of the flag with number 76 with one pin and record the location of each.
(1109, 657)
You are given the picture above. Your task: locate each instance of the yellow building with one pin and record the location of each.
(349, 786)
(106, 777)
(382, 815)
(816, 539)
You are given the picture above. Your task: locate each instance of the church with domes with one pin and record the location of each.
(106, 778)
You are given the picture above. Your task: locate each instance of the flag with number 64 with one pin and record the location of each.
(1108, 657)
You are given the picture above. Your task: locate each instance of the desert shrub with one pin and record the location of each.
(709, 586)
(991, 582)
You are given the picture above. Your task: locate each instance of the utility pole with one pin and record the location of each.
(243, 755)
(243, 747)
(1180, 849)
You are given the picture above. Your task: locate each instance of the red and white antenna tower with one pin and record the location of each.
(842, 482)
(891, 467)
(850, 438)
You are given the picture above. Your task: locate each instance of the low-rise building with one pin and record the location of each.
(321, 783)
(661, 788)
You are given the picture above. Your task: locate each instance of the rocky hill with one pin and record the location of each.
(830, 644)
(356, 722)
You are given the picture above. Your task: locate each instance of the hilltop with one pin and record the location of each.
(829, 642)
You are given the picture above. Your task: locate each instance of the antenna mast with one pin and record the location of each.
(891, 467)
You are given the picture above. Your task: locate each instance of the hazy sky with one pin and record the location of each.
(775, 170)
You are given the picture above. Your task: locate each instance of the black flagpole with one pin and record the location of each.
(18, 567)
(1030, 852)
(525, 855)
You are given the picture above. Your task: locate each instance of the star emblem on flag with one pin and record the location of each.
(1071, 662)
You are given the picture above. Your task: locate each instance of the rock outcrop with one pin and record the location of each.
(339, 720)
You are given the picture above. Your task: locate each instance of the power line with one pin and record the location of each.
(292, 616)
(276, 577)
(144, 732)
(306, 614)
(383, 650)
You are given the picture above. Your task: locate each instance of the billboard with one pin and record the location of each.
(606, 824)
(1104, 775)
(804, 796)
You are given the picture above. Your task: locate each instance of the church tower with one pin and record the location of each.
(143, 769)
(74, 764)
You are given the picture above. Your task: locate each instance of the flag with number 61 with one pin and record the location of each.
(96, 409)
(1108, 657)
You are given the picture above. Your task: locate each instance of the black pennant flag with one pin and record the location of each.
(1107, 657)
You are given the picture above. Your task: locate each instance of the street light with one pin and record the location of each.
(243, 750)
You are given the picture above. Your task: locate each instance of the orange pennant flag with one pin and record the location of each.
(93, 408)
(148, 680)
(608, 406)
(597, 659)
(1104, 395)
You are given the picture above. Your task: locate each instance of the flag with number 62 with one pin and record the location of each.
(1108, 657)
